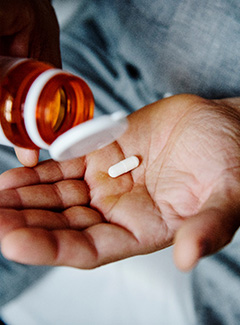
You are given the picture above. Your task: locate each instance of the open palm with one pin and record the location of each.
(185, 190)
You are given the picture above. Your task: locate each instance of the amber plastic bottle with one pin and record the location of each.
(38, 102)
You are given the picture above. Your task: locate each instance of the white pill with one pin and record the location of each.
(123, 166)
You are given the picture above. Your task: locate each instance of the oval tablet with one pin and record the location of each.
(123, 166)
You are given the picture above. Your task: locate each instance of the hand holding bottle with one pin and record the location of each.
(29, 28)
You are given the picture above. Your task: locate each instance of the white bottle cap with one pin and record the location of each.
(89, 136)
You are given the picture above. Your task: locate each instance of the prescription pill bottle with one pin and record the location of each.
(38, 102)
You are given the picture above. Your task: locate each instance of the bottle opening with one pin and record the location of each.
(57, 110)
(64, 102)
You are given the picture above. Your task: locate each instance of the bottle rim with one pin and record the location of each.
(30, 106)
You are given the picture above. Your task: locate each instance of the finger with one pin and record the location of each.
(46, 172)
(27, 157)
(204, 234)
(45, 45)
(18, 45)
(11, 21)
(77, 217)
(90, 248)
(60, 196)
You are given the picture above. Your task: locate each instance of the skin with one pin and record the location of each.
(185, 192)
(29, 28)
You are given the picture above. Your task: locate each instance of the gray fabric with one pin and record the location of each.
(176, 46)
(216, 284)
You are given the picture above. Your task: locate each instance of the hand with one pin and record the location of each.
(29, 28)
(185, 191)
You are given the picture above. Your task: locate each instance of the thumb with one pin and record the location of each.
(206, 232)
(27, 157)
